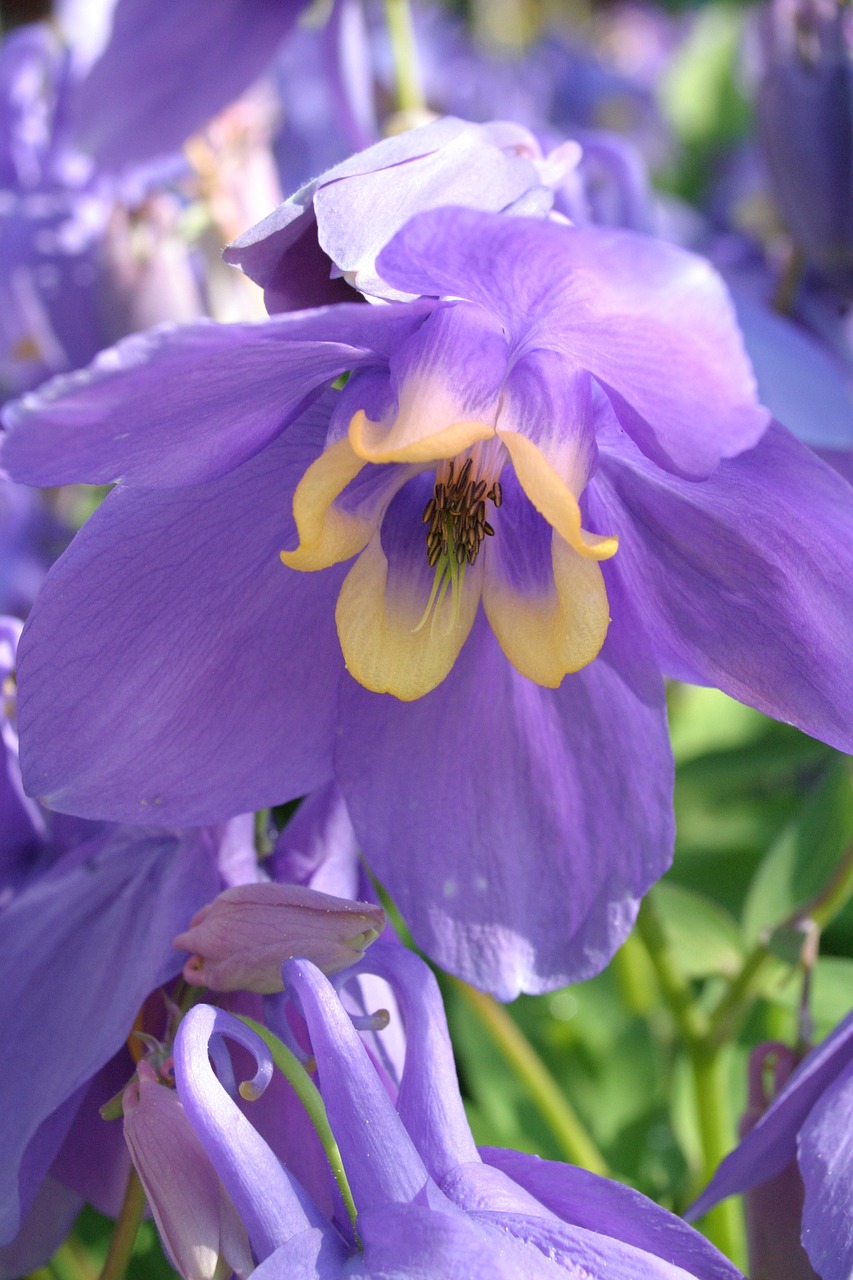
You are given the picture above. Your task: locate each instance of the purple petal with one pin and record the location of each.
(181, 405)
(380, 1159)
(826, 1164)
(176, 601)
(318, 847)
(93, 935)
(772, 1144)
(354, 209)
(496, 812)
(587, 1200)
(742, 581)
(47, 1224)
(428, 1100)
(138, 101)
(271, 1204)
(653, 323)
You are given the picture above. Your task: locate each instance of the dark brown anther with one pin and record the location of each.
(488, 530)
(429, 511)
(433, 553)
(472, 554)
(438, 497)
(450, 471)
(464, 474)
(480, 513)
(496, 494)
(477, 491)
(460, 553)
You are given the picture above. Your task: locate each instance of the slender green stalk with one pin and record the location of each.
(568, 1129)
(724, 1224)
(410, 94)
(822, 908)
(126, 1230)
(310, 1097)
(676, 989)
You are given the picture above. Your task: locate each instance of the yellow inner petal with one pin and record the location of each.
(553, 499)
(375, 442)
(547, 636)
(327, 535)
(384, 646)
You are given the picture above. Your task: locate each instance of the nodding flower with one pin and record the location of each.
(426, 1202)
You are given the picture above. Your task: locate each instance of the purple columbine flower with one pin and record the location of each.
(428, 1203)
(805, 113)
(573, 391)
(809, 1122)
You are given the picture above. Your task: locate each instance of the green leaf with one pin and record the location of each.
(704, 936)
(803, 859)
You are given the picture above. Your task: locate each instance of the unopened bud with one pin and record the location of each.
(241, 939)
(199, 1226)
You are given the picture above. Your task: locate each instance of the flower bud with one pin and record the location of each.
(241, 939)
(198, 1224)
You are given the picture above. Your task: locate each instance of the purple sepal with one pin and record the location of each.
(95, 932)
(48, 1222)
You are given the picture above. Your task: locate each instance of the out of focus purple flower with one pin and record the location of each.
(807, 1127)
(428, 1203)
(598, 379)
(89, 240)
(805, 112)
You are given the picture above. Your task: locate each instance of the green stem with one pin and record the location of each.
(724, 1224)
(410, 94)
(676, 989)
(822, 908)
(564, 1122)
(126, 1230)
(310, 1097)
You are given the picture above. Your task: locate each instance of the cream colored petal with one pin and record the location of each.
(328, 533)
(554, 499)
(545, 636)
(385, 647)
(378, 442)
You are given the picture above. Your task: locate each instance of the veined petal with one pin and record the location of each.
(447, 380)
(826, 1164)
(401, 624)
(552, 497)
(548, 399)
(546, 604)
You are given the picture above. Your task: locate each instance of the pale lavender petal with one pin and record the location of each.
(94, 935)
(191, 615)
(599, 1204)
(652, 322)
(772, 1143)
(184, 404)
(826, 1164)
(742, 581)
(496, 814)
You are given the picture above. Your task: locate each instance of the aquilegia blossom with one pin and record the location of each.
(453, 635)
(428, 1203)
(810, 1121)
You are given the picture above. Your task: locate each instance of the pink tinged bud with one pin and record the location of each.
(199, 1226)
(241, 939)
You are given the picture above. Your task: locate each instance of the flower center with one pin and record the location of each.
(456, 515)
(456, 512)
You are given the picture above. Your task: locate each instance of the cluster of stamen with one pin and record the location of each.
(456, 515)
